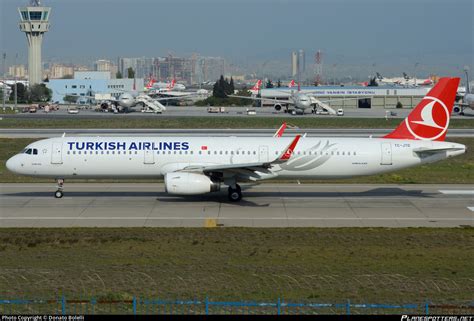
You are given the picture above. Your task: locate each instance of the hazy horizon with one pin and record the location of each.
(385, 35)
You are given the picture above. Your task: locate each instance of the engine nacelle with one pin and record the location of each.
(277, 107)
(183, 183)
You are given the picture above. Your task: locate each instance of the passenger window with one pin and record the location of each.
(220, 152)
(200, 152)
(254, 152)
(191, 152)
(68, 152)
(354, 153)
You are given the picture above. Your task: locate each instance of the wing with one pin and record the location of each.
(247, 170)
(266, 99)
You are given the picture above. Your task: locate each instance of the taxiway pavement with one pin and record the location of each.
(265, 205)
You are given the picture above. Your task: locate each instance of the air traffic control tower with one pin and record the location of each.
(34, 23)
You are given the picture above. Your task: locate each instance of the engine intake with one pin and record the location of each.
(277, 107)
(183, 183)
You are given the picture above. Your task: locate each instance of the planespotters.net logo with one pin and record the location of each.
(431, 122)
(437, 318)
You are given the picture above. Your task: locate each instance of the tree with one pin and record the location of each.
(70, 99)
(118, 75)
(219, 89)
(279, 83)
(231, 86)
(269, 84)
(130, 73)
(39, 93)
(21, 93)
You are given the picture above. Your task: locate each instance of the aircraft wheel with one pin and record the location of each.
(457, 109)
(58, 194)
(235, 195)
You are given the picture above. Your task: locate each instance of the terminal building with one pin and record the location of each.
(92, 83)
(368, 97)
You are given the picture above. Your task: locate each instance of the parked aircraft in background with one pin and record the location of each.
(403, 81)
(164, 86)
(298, 102)
(465, 96)
(198, 165)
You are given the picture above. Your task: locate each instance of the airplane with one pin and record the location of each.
(405, 81)
(301, 101)
(165, 86)
(199, 165)
(466, 96)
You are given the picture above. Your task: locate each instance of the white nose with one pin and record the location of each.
(13, 164)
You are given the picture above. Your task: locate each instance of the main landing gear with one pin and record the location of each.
(59, 193)
(235, 193)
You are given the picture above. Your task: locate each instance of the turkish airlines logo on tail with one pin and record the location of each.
(431, 122)
(256, 87)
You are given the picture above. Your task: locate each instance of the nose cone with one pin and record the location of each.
(13, 164)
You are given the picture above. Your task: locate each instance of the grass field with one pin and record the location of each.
(457, 170)
(213, 122)
(322, 265)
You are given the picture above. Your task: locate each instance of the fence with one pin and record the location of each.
(63, 306)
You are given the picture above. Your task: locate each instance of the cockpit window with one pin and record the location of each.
(30, 151)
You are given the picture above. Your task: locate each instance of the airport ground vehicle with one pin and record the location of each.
(340, 112)
(198, 165)
(73, 110)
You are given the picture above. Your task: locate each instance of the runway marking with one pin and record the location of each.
(458, 192)
(240, 218)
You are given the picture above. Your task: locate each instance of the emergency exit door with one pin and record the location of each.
(57, 153)
(149, 157)
(386, 154)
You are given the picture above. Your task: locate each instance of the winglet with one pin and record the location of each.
(289, 150)
(280, 130)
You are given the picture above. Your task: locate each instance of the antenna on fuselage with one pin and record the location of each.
(64, 134)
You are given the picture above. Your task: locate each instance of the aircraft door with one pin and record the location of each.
(57, 153)
(263, 153)
(149, 157)
(386, 154)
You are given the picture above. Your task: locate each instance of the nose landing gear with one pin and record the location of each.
(59, 193)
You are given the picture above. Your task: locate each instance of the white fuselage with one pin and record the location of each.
(153, 157)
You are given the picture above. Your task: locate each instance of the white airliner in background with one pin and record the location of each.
(198, 165)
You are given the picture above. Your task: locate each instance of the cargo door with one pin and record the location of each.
(149, 157)
(57, 153)
(386, 154)
(263, 153)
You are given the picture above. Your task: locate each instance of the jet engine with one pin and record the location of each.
(277, 107)
(183, 183)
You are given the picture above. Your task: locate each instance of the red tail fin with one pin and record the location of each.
(430, 118)
(257, 85)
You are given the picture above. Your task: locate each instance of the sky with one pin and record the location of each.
(436, 34)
